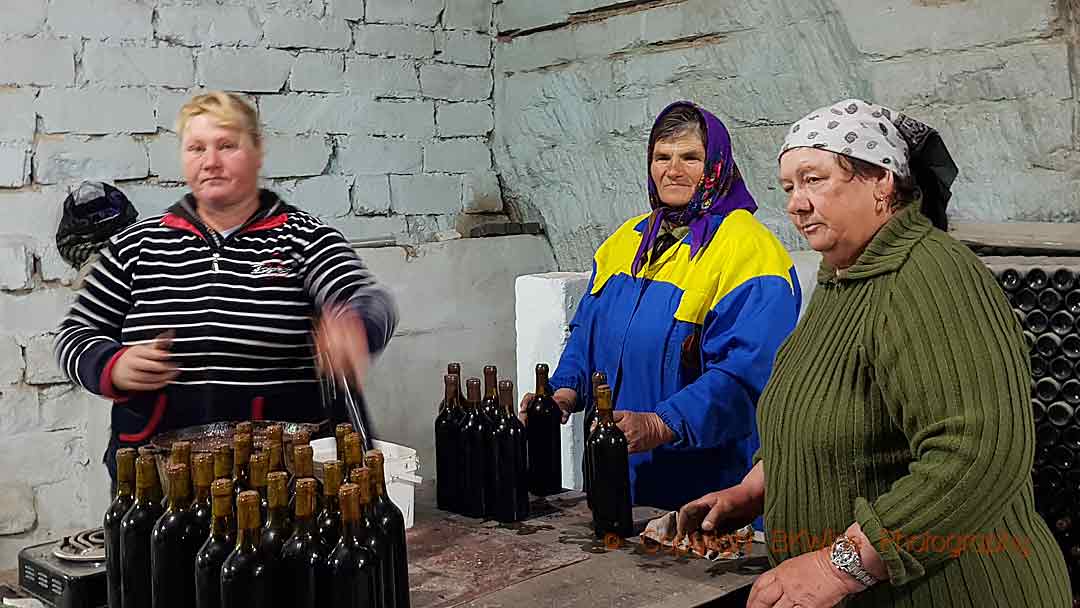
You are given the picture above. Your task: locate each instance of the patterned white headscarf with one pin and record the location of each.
(854, 128)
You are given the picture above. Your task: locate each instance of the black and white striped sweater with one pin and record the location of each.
(241, 307)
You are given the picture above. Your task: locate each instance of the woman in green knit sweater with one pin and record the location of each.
(896, 433)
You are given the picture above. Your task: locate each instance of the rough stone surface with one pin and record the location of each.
(38, 61)
(152, 199)
(165, 160)
(19, 405)
(468, 15)
(346, 9)
(455, 83)
(16, 264)
(208, 25)
(376, 77)
(34, 313)
(14, 165)
(369, 155)
(17, 513)
(295, 156)
(370, 227)
(464, 119)
(465, 48)
(482, 193)
(413, 12)
(134, 66)
(371, 195)
(167, 106)
(393, 41)
(324, 196)
(294, 32)
(108, 158)
(254, 70)
(11, 360)
(96, 111)
(318, 72)
(24, 18)
(101, 19)
(425, 194)
(456, 156)
(17, 121)
(41, 367)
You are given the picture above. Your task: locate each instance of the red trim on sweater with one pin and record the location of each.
(258, 404)
(148, 430)
(269, 223)
(172, 220)
(107, 389)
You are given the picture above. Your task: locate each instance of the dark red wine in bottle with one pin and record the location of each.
(598, 379)
(303, 468)
(447, 443)
(545, 446)
(125, 497)
(490, 404)
(509, 459)
(328, 522)
(351, 568)
(611, 507)
(202, 504)
(376, 541)
(135, 530)
(303, 558)
(242, 447)
(217, 546)
(174, 544)
(474, 451)
(1010, 279)
(246, 577)
(259, 467)
(278, 526)
(388, 519)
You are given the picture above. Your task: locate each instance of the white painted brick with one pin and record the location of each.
(347, 114)
(425, 194)
(255, 70)
(455, 83)
(96, 111)
(304, 113)
(101, 19)
(107, 159)
(393, 41)
(150, 199)
(67, 407)
(324, 196)
(167, 106)
(18, 119)
(40, 61)
(18, 410)
(415, 119)
(295, 156)
(457, 156)
(377, 77)
(360, 155)
(415, 12)
(14, 165)
(22, 18)
(41, 367)
(16, 263)
(371, 195)
(468, 15)
(161, 66)
(17, 513)
(289, 7)
(11, 361)
(208, 25)
(346, 9)
(63, 505)
(318, 72)
(428, 228)
(482, 193)
(33, 214)
(54, 267)
(294, 32)
(465, 48)
(33, 313)
(165, 160)
(459, 119)
(369, 227)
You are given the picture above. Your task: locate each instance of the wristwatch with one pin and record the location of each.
(845, 556)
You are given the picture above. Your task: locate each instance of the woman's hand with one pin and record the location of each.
(341, 339)
(726, 510)
(644, 431)
(565, 398)
(807, 581)
(146, 367)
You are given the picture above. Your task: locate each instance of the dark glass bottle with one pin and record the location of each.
(303, 558)
(1047, 390)
(303, 468)
(376, 541)
(241, 463)
(1072, 302)
(542, 430)
(179, 453)
(509, 461)
(1038, 411)
(1048, 345)
(223, 463)
(1036, 279)
(260, 467)
(278, 527)
(342, 431)
(1070, 345)
(388, 518)
(201, 505)
(351, 570)
(125, 497)
(1036, 322)
(490, 404)
(217, 547)
(1060, 368)
(1059, 414)
(174, 544)
(328, 522)
(1062, 280)
(474, 454)
(454, 369)
(244, 427)
(611, 508)
(1027, 300)
(1010, 279)
(598, 379)
(1062, 323)
(1050, 300)
(1039, 367)
(301, 437)
(447, 442)
(275, 447)
(135, 530)
(246, 577)
(1070, 392)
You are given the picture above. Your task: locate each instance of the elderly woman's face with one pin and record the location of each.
(221, 165)
(677, 166)
(837, 212)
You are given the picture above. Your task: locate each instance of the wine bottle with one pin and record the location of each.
(174, 544)
(474, 454)
(241, 463)
(1050, 300)
(223, 463)
(328, 523)
(1061, 368)
(351, 567)
(180, 453)
(303, 468)
(1036, 322)
(376, 541)
(491, 417)
(1010, 279)
(447, 441)
(244, 427)
(490, 404)
(607, 446)
(301, 437)
(135, 530)
(354, 455)
(1047, 345)
(340, 432)
(260, 467)
(542, 430)
(598, 379)
(217, 547)
(1072, 302)
(1062, 280)
(1060, 413)
(1070, 345)
(509, 461)
(1039, 367)
(303, 558)
(202, 509)
(158, 492)
(454, 369)
(388, 518)
(1047, 390)
(1070, 392)
(246, 577)
(275, 447)
(125, 497)
(1027, 300)
(278, 527)
(1062, 323)
(1038, 411)
(1036, 279)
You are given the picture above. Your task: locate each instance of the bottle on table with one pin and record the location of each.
(174, 544)
(388, 518)
(598, 379)
(490, 403)
(125, 497)
(241, 463)
(608, 455)
(303, 558)
(509, 461)
(447, 444)
(135, 530)
(216, 548)
(260, 467)
(246, 576)
(303, 468)
(202, 505)
(542, 430)
(351, 569)
(328, 522)
(376, 541)
(474, 451)
(278, 526)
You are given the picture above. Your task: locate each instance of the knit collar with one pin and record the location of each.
(887, 251)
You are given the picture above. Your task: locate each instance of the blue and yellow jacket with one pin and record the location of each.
(691, 340)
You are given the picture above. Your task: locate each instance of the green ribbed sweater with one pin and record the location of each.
(902, 401)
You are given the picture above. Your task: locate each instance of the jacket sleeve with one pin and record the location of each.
(334, 274)
(88, 339)
(953, 371)
(575, 365)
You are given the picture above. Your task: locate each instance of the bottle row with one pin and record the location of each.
(1038, 279)
(236, 533)
(1052, 346)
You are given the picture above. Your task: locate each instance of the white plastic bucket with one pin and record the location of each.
(399, 467)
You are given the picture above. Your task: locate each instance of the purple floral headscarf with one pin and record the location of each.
(721, 190)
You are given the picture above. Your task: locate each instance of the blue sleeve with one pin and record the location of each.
(575, 364)
(739, 341)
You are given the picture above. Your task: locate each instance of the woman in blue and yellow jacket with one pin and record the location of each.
(684, 313)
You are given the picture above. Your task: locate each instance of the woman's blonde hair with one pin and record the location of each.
(228, 109)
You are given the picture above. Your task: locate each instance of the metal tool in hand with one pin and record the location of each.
(355, 406)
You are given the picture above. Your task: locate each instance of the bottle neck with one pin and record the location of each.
(277, 516)
(179, 502)
(331, 503)
(145, 495)
(541, 384)
(605, 416)
(223, 525)
(202, 493)
(125, 490)
(247, 539)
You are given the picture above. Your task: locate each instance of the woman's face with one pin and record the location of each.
(837, 212)
(221, 165)
(677, 166)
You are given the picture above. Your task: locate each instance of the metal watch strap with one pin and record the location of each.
(845, 556)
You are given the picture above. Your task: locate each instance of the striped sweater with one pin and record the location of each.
(241, 307)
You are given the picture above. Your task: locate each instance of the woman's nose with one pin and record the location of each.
(211, 158)
(797, 202)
